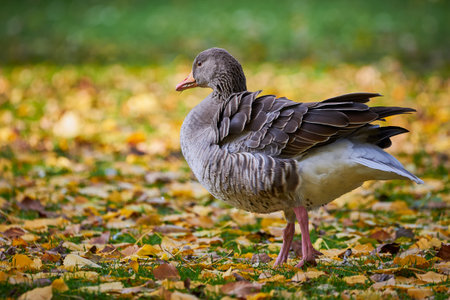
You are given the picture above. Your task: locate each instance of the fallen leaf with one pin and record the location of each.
(432, 277)
(59, 285)
(3, 276)
(148, 250)
(22, 262)
(411, 260)
(43, 293)
(14, 232)
(164, 271)
(362, 249)
(41, 225)
(444, 252)
(73, 261)
(391, 248)
(241, 289)
(356, 279)
(260, 258)
(420, 293)
(86, 275)
(380, 235)
(181, 296)
(301, 276)
(103, 288)
(102, 239)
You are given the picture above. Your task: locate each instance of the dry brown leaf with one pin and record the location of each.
(364, 249)
(103, 288)
(332, 253)
(101, 240)
(14, 232)
(310, 274)
(164, 271)
(432, 277)
(86, 275)
(444, 252)
(73, 261)
(43, 293)
(41, 225)
(355, 279)
(241, 289)
(420, 293)
(411, 260)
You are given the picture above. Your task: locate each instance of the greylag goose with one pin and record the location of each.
(265, 154)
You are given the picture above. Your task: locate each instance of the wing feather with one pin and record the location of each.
(284, 128)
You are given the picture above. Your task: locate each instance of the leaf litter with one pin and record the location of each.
(96, 199)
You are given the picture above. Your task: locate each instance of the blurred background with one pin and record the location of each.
(414, 32)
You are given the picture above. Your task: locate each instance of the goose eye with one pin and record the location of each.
(199, 64)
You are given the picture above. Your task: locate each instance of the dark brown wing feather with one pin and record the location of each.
(284, 128)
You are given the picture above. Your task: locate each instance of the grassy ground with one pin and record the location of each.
(94, 191)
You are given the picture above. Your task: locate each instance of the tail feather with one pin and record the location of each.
(387, 111)
(375, 158)
(353, 97)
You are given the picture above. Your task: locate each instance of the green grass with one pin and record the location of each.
(141, 32)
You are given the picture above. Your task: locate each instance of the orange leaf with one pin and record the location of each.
(136, 138)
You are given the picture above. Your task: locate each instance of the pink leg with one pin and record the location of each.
(308, 251)
(288, 235)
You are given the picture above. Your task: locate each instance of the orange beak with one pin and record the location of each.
(187, 83)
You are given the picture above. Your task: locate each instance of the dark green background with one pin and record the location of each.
(415, 32)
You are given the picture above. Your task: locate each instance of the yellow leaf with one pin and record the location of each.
(103, 288)
(364, 249)
(134, 265)
(136, 138)
(43, 293)
(59, 285)
(266, 222)
(355, 279)
(3, 276)
(432, 277)
(259, 296)
(242, 217)
(181, 296)
(276, 278)
(310, 274)
(86, 275)
(332, 253)
(41, 225)
(148, 250)
(170, 245)
(411, 260)
(73, 261)
(419, 293)
(21, 262)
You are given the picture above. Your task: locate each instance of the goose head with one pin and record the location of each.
(217, 69)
